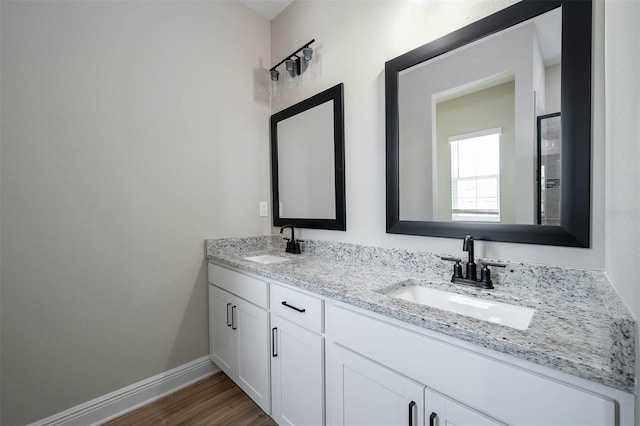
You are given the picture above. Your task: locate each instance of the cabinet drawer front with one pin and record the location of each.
(249, 288)
(299, 308)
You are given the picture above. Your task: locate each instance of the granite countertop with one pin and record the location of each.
(580, 326)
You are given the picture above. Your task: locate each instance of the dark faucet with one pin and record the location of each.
(471, 277)
(293, 245)
(467, 246)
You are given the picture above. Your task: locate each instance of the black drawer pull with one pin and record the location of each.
(432, 419)
(293, 307)
(233, 319)
(228, 320)
(273, 342)
(411, 405)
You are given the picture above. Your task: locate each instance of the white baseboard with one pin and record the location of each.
(121, 401)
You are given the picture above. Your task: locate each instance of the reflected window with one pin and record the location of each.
(475, 176)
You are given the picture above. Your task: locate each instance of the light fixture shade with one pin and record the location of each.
(309, 65)
(274, 86)
(307, 58)
(290, 66)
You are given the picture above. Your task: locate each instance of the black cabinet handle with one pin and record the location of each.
(284, 302)
(432, 419)
(273, 342)
(411, 405)
(228, 320)
(233, 318)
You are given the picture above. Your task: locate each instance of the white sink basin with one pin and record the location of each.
(267, 259)
(517, 317)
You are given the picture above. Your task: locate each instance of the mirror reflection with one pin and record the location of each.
(470, 149)
(549, 169)
(305, 154)
(307, 163)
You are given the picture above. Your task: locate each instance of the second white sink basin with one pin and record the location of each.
(513, 316)
(267, 259)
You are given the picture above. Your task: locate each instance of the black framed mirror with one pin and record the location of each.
(307, 163)
(495, 196)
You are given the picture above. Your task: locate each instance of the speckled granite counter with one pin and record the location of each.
(580, 326)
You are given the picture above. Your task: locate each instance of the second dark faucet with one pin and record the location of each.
(467, 246)
(471, 277)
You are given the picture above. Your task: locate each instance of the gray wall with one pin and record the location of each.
(131, 131)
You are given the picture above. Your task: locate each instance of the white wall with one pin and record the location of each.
(552, 88)
(354, 40)
(623, 147)
(622, 57)
(131, 131)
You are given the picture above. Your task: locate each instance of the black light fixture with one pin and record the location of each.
(294, 65)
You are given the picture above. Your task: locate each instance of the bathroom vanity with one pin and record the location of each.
(345, 334)
(320, 338)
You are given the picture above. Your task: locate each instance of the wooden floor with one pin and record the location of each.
(215, 400)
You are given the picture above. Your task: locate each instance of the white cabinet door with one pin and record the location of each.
(442, 411)
(252, 334)
(239, 343)
(363, 392)
(222, 347)
(297, 374)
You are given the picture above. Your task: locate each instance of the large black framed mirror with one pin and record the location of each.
(307, 162)
(453, 168)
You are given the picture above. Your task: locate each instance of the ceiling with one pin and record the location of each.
(267, 8)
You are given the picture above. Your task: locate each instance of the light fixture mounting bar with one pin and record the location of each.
(292, 55)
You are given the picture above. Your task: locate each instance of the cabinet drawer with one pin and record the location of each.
(249, 288)
(299, 308)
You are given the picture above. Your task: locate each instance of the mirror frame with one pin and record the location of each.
(335, 94)
(575, 221)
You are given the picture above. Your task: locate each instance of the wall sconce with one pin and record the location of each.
(294, 66)
(307, 63)
(273, 87)
(293, 70)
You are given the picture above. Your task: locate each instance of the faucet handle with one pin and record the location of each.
(487, 262)
(485, 273)
(457, 268)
